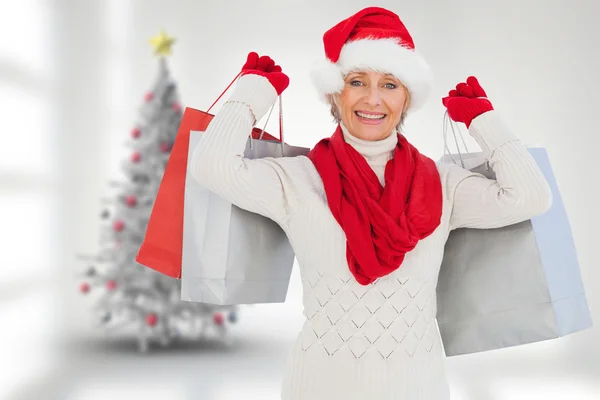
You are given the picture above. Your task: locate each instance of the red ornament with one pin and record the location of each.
(218, 318)
(111, 285)
(165, 147)
(135, 133)
(118, 225)
(131, 201)
(151, 319)
(149, 96)
(84, 288)
(136, 157)
(176, 107)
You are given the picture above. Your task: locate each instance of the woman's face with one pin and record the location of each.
(371, 104)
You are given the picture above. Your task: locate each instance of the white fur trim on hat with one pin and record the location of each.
(327, 78)
(382, 55)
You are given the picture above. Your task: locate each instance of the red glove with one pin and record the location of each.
(265, 66)
(467, 101)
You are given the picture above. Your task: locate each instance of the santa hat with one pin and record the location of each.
(375, 39)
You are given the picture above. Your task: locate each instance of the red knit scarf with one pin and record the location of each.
(381, 224)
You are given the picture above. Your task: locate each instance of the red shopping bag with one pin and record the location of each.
(162, 245)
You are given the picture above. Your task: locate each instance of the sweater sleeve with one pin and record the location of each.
(263, 186)
(519, 192)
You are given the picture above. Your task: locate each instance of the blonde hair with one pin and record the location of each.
(337, 118)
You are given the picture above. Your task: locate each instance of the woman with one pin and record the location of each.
(366, 213)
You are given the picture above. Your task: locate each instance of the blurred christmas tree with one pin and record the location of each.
(134, 297)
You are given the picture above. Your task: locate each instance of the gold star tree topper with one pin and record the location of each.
(162, 43)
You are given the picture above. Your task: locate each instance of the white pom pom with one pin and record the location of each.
(327, 78)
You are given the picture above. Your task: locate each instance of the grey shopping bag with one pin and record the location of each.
(514, 285)
(231, 256)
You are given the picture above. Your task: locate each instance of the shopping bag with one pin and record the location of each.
(232, 256)
(513, 285)
(161, 247)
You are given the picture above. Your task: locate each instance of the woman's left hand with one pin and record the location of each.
(467, 101)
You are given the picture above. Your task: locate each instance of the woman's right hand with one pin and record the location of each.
(266, 67)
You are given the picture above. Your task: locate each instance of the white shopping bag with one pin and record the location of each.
(514, 285)
(232, 256)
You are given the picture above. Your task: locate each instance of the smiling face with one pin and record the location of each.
(371, 104)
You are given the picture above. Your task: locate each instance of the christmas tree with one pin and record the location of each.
(132, 297)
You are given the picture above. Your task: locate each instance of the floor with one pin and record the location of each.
(38, 363)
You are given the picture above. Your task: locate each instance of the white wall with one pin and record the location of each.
(537, 61)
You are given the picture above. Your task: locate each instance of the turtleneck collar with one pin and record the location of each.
(371, 148)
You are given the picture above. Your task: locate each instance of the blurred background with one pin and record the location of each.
(73, 76)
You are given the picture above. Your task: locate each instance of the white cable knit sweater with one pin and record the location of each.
(380, 341)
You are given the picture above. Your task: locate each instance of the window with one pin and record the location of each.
(25, 146)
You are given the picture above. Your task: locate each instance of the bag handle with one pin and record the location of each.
(281, 141)
(447, 121)
(224, 91)
(268, 117)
